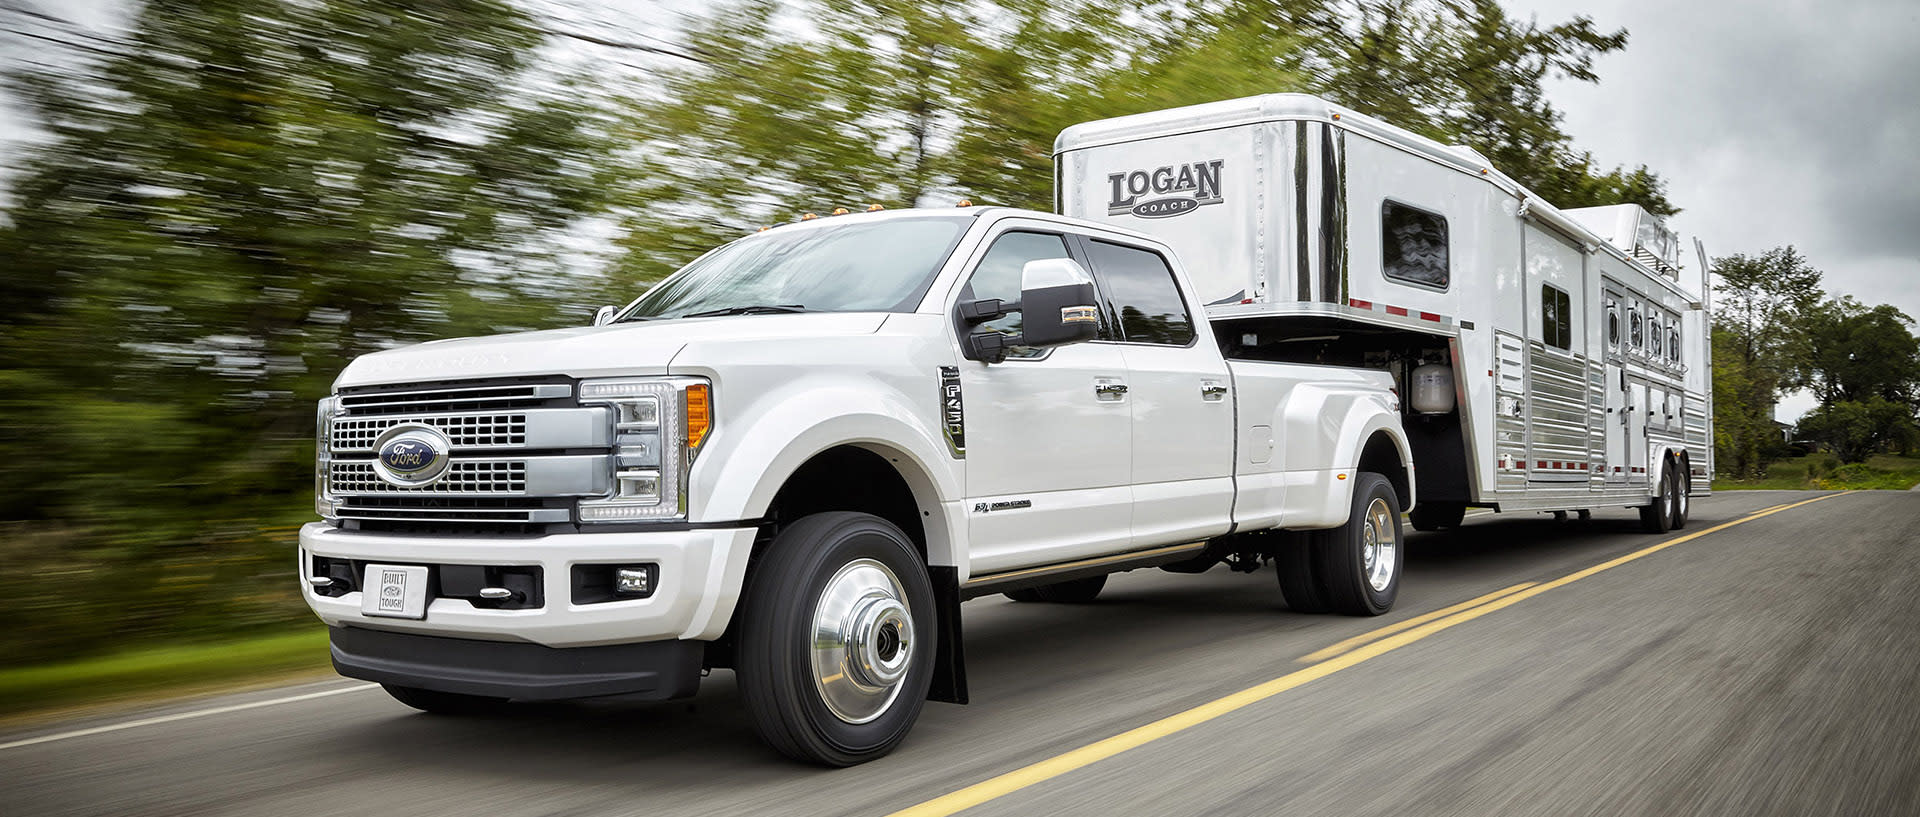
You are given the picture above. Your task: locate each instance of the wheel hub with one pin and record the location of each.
(863, 641)
(1379, 547)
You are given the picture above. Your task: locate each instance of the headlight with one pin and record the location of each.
(323, 502)
(659, 424)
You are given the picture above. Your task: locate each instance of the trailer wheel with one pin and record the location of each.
(435, 702)
(1432, 516)
(836, 639)
(1300, 583)
(1657, 516)
(1360, 562)
(1682, 493)
(1077, 591)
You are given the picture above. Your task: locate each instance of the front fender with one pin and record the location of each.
(759, 449)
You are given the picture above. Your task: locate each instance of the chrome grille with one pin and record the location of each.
(452, 397)
(483, 477)
(465, 430)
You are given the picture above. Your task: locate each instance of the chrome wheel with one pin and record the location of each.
(862, 641)
(1379, 547)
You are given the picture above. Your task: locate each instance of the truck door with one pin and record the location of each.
(1048, 433)
(1616, 387)
(1178, 386)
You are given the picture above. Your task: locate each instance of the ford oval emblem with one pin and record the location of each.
(411, 455)
(1165, 208)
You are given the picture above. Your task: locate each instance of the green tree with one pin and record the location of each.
(1857, 429)
(1854, 352)
(1759, 337)
(251, 193)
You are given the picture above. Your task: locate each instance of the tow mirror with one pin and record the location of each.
(1056, 308)
(603, 315)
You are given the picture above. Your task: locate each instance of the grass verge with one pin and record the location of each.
(147, 672)
(1825, 472)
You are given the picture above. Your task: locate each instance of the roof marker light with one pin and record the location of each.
(874, 208)
(839, 211)
(809, 216)
(965, 203)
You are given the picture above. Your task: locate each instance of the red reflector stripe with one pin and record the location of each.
(1397, 310)
(1356, 303)
(1429, 316)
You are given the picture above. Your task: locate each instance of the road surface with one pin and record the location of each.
(1770, 667)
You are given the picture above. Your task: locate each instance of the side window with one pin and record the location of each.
(1613, 324)
(1413, 245)
(998, 275)
(1636, 335)
(1673, 345)
(1141, 292)
(1556, 317)
(1659, 339)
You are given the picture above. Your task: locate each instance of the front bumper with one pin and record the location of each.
(701, 573)
(654, 670)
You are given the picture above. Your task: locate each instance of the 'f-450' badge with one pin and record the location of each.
(412, 455)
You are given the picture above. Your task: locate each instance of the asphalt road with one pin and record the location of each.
(1772, 667)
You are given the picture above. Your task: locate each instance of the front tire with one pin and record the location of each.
(1076, 591)
(1360, 562)
(435, 702)
(837, 639)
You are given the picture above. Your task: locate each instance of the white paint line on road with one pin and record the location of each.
(181, 716)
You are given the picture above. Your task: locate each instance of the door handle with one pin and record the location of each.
(1212, 390)
(1109, 389)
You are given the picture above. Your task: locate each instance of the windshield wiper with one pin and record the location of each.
(763, 309)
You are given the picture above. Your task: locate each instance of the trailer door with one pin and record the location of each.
(1558, 405)
(1616, 386)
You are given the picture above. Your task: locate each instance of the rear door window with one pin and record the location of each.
(1142, 295)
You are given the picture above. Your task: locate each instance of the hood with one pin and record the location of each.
(591, 351)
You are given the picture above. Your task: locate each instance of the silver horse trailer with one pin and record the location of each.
(1549, 360)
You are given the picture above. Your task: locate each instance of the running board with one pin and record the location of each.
(1079, 569)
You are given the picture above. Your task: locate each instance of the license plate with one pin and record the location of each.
(394, 591)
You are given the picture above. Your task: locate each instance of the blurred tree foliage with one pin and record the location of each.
(1759, 340)
(811, 104)
(251, 194)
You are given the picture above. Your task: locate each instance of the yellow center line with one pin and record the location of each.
(1091, 753)
(1383, 632)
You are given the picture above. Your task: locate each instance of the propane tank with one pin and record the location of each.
(1433, 389)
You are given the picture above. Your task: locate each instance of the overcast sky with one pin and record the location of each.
(1773, 122)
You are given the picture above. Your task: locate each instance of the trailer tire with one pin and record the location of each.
(853, 583)
(1076, 591)
(1432, 516)
(1657, 516)
(1360, 562)
(1299, 576)
(435, 702)
(1682, 493)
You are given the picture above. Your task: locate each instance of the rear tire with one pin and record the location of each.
(1432, 516)
(1076, 591)
(1657, 516)
(1360, 562)
(837, 639)
(435, 702)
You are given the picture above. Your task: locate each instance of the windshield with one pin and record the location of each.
(861, 266)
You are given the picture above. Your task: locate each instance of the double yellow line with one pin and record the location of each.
(1329, 661)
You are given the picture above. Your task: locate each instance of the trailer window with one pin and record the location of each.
(998, 276)
(1673, 346)
(1659, 341)
(1140, 290)
(1556, 317)
(1413, 245)
(1613, 325)
(1636, 336)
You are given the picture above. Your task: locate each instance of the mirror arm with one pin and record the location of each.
(986, 309)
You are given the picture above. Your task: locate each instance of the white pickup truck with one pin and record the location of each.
(797, 456)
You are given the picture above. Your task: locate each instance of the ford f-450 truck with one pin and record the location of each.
(796, 457)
